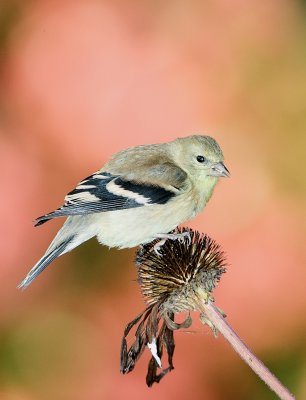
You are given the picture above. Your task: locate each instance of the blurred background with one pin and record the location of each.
(80, 80)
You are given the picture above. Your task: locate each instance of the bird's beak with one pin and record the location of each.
(219, 169)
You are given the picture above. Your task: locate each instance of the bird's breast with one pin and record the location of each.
(131, 227)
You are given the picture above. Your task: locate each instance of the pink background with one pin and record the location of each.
(80, 80)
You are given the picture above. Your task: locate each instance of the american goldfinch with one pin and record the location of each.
(141, 194)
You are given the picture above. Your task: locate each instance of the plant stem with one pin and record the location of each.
(215, 317)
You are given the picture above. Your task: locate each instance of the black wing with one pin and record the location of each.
(103, 191)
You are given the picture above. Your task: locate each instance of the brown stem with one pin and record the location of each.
(215, 317)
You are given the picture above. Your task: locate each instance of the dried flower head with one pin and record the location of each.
(171, 280)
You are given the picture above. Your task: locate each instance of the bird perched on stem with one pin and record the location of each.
(141, 194)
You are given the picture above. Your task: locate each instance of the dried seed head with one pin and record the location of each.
(182, 267)
(172, 280)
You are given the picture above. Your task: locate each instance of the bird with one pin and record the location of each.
(141, 194)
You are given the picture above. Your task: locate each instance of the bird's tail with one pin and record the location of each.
(43, 263)
(69, 236)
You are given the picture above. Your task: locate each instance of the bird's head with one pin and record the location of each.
(200, 156)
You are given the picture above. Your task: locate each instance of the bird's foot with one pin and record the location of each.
(171, 236)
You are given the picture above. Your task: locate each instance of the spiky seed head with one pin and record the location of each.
(182, 267)
(172, 281)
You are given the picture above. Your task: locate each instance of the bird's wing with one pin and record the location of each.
(104, 191)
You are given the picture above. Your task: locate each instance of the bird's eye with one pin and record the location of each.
(201, 159)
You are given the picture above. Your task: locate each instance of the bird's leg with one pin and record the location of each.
(172, 236)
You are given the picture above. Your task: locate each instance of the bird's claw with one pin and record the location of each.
(158, 246)
(171, 236)
(184, 235)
